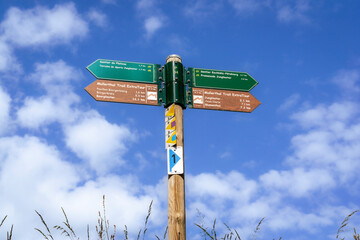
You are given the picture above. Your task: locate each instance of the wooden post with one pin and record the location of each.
(176, 182)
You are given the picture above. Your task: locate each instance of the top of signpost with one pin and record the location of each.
(173, 58)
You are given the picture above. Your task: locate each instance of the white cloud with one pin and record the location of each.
(348, 80)
(31, 176)
(34, 175)
(41, 25)
(145, 5)
(8, 61)
(286, 11)
(5, 101)
(327, 117)
(201, 9)
(152, 25)
(98, 18)
(153, 18)
(39, 112)
(324, 160)
(298, 182)
(289, 102)
(295, 12)
(331, 140)
(221, 186)
(247, 6)
(99, 143)
(56, 79)
(109, 1)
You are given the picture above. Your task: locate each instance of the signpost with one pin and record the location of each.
(175, 87)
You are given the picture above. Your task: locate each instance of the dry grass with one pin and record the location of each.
(9, 233)
(343, 228)
(103, 229)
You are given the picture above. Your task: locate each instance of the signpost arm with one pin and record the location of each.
(176, 182)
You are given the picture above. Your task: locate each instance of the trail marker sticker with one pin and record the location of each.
(170, 127)
(175, 159)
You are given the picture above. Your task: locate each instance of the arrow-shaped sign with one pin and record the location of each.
(217, 99)
(124, 71)
(125, 92)
(218, 79)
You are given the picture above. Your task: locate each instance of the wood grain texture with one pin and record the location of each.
(176, 190)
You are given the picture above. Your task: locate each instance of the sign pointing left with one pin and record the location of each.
(125, 92)
(124, 71)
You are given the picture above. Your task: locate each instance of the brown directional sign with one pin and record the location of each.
(125, 92)
(216, 99)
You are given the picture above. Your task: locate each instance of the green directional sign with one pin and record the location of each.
(218, 79)
(124, 71)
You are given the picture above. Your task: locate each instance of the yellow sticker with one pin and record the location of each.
(170, 111)
(172, 138)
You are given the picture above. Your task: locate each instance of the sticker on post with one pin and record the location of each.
(170, 111)
(175, 159)
(170, 139)
(170, 127)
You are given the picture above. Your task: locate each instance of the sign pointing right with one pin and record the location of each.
(217, 99)
(218, 79)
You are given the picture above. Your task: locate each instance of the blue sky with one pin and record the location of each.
(295, 160)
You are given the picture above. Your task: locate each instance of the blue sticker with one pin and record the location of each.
(173, 159)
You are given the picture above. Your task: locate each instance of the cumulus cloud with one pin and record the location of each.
(296, 12)
(286, 11)
(348, 80)
(221, 185)
(152, 24)
(46, 181)
(55, 78)
(5, 101)
(98, 18)
(247, 6)
(324, 159)
(333, 139)
(41, 25)
(99, 143)
(8, 61)
(289, 102)
(298, 182)
(153, 17)
(42, 111)
(202, 8)
(109, 1)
